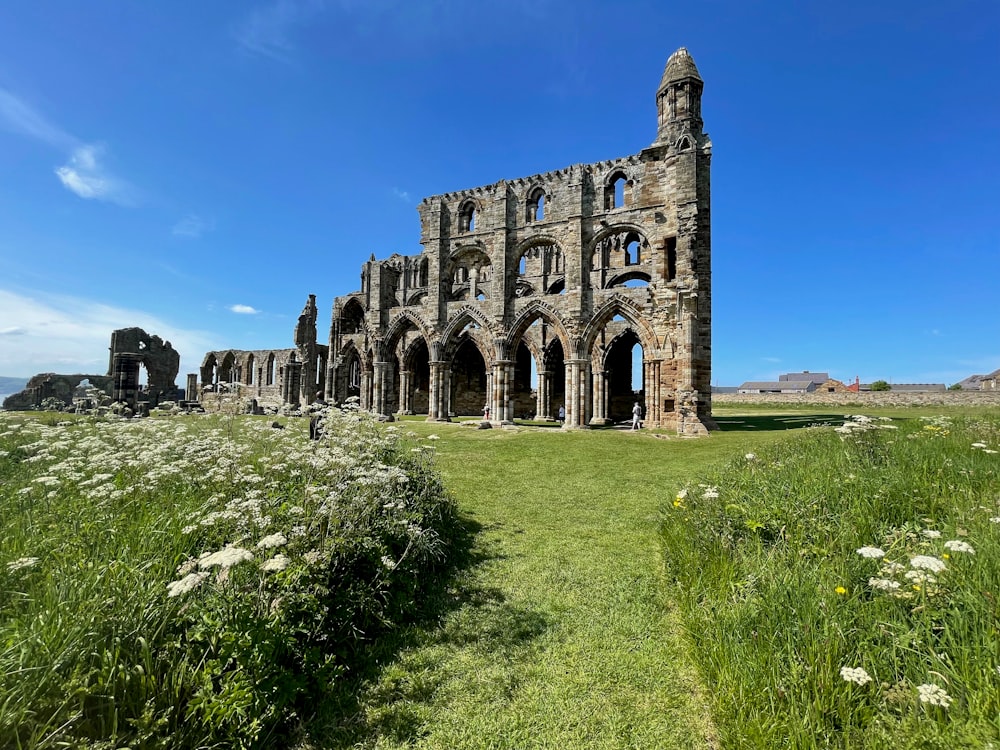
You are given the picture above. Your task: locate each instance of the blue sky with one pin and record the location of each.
(198, 169)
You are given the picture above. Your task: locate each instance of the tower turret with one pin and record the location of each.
(678, 99)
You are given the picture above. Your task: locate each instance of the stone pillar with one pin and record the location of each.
(125, 370)
(366, 390)
(543, 406)
(600, 399)
(191, 392)
(438, 399)
(503, 371)
(405, 397)
(382, 382)
(577, 393)
(292, 383)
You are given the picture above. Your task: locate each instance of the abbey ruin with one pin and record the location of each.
(530, 295)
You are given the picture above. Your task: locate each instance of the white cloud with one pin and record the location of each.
(71, 335)
(86, 176)
(401, 194)
(243, 309)
(267, 31)
(192, 226)
(84, 173)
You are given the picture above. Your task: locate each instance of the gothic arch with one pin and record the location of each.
(534, 310)
(398, 325)
(457, 323)
(620, 305)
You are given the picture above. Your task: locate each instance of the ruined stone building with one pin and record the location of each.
(131, 350)
(530, 295)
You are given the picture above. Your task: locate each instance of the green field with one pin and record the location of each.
(590, 604)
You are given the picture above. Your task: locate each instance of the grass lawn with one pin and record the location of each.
(559, 635)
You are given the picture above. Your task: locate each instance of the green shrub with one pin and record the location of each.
(195, 581)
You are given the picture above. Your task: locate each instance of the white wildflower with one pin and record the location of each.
(930, 534)
(870, 552)
(988, 450)
(21, 562)
(883, 584)
(186, 584)
(750, 457)
(919, 576)
(433, 437)
(926, 562)
(278, 562)
(956, 545)
(388, 562)
(934, 695)
(272, 540)
(995, 519)
(225, 558)
(710, 493)
(189, 529)
(979, 445)
(857, 675)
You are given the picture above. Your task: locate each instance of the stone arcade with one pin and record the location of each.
(569, 270)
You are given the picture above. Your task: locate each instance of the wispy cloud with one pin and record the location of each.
(192, 226)
(84, 172)
(269, 30)
(86, 175)
(17, 117)
(71, 334)
(243, 309)
(403, 195)
(773, 360)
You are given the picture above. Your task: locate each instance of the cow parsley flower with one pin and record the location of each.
(273, 540)
(956, 545)
(186, 584)
(934, 695)
(883, 584)
(926, 562)
(278, 562)
(930, 534)
(857, 675)
(870, 552)
(225, 558)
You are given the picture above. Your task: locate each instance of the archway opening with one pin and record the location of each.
(417, 365)
(523, 397)
(623, 370)
(468, 380)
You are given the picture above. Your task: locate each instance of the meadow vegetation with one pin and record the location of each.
(212, 581)
(200, 582)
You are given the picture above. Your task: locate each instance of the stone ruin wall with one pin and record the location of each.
(542, 266)
(865, 399)
(130, 349)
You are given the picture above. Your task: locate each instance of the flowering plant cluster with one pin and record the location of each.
(843, 584)
(236, 568)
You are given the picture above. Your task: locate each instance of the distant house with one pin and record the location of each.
(778, 386)
(814, 377)
(989, 382)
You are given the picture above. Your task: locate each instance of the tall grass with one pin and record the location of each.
(198, 582)
(840, 590)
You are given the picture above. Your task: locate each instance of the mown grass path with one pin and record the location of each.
(560, 635)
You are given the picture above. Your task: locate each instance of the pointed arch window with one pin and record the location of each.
(467, 217)
(536, 205)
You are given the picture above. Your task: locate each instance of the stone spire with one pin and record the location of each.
(678, 100)
(679, 66)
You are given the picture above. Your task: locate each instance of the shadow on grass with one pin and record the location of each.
(390, 685)
(772, 422)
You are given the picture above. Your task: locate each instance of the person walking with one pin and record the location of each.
(636, 416)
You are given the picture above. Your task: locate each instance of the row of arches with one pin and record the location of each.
(530, 370)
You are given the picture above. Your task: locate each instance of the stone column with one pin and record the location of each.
(366, 390)
(292, 383)
(125, 369)
(191, 392)
(437, 397)
(380, 388)
(577, 393)
(543, 405)
(405, 397)
(600, 399)
(503, 370)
